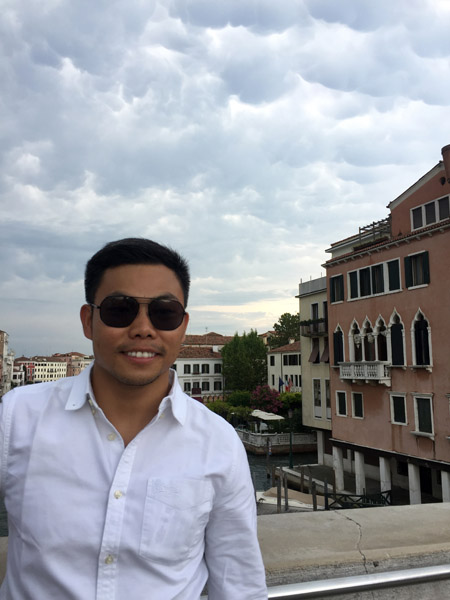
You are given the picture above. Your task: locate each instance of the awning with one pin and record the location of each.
(266, 416)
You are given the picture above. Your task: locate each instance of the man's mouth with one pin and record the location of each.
(141, 354)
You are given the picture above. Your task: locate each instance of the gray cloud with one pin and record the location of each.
(250, 136)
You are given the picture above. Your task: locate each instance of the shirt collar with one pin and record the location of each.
(82, 390)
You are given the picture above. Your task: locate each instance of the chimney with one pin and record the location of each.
(446, 158)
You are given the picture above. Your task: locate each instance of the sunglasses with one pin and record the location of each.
(120, 311)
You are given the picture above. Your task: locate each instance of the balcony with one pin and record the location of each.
(314, 328)
(367, 372)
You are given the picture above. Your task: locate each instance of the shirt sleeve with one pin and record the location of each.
(232, 552)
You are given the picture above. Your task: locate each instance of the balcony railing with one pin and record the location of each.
(376, 371)
(314, 329)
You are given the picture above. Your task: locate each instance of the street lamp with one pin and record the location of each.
(291, 464)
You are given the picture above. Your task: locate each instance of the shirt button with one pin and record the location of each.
(118, 494)
(109, 559)
(111, 437)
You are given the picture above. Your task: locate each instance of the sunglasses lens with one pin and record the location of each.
(118, 311)
(166, 315)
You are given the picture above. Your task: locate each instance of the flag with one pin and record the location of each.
(280, 384)
(289, 385)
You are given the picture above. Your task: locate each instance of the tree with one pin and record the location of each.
(287, 328)
(244, 362)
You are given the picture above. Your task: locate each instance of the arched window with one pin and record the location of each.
(338, 346)
(368, 341)
(380, 340)
(355, 343)
(421, 340)
(397, 340)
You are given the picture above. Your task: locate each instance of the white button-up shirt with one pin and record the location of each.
(91, 519)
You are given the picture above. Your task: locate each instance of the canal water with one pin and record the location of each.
(258, 466)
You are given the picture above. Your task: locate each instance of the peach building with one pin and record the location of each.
(389, 327)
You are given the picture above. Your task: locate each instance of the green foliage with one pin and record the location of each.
(219, 407)
(244, 362)
(291, 400)
(239, 398)
(287, 328)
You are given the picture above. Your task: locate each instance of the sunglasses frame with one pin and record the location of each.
(137, 299)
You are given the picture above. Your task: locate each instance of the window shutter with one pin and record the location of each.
(408, 271)
(426, 268)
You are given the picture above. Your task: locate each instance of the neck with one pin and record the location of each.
(128, 407)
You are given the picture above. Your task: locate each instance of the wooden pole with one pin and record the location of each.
(286, 496)
(278, 493)
(314, 494)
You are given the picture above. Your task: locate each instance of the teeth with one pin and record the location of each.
(141, 354)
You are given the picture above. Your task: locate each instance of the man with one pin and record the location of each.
(118, 486)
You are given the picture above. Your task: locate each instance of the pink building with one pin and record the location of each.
(389, 323)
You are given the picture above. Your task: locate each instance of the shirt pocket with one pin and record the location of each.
(175, 516)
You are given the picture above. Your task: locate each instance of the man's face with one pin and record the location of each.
(115, 347)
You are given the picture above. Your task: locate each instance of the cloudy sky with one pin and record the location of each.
(249, 135)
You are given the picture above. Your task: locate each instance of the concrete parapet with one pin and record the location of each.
(311, 546)
(301, 547)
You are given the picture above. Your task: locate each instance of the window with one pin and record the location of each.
(398, 409)
(357, 405)
(187, 369)
(205, 369)
(393, 267)
(218, 386)
(337, 288)
(317, 399)
(217, 368)
(341, 404)
(285, 360)
(429, 213)
(272, 361)
(417, 269)
(421, 341)
(444, 212)
(338, 346)
(205, 386)
(196, 369)
(314, 356)
(293, 360)
(273, 380)
(364, 282)
(376, 279)
(187, 386)
(397, 342)
(423, 412)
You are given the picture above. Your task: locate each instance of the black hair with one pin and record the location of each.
(134, 251)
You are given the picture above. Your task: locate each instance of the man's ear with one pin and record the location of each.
(86, 320)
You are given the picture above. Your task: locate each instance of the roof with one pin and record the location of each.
(417, 233)
(207, 339)
(195, 352)
(294, 347)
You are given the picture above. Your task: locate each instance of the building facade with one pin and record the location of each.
(199, 371)
(284, 372)
(388, 299)
(316, 395)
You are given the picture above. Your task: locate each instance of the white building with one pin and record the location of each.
(49, 368)
(199, 371)
(6, 364)
(284, 371)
